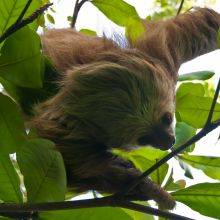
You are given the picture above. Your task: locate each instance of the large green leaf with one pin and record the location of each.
(200, 75)
(21, 59)
(194, 110)
(123, 14)
(106, 213)
(43, 170)
(209, 165)
(190, 88)
(144, 158)
(12, 131)
(134, 29)
(27, 97)
(183, 133)
(117, 10)
(149, 153)
(9, 181)
(11, 9)
(143, 164)
(204, 198)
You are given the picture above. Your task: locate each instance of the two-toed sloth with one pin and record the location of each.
(113, 97)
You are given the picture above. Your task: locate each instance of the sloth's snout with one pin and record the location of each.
(145, 140)
(169, 141)
(161, 140)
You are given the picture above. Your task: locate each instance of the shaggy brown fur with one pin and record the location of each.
(112, 97)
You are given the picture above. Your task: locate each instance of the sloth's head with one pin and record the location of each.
(122, 100)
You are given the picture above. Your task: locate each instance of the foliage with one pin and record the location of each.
(26, 76)
(205, 195)
(123, 15)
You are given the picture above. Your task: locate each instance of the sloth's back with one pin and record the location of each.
(67, 48)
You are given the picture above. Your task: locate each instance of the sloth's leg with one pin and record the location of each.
(114, 174)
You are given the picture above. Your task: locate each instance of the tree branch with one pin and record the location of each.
(24, 11)
(209, 119)
(180, 7)
(17, 26)
(207, 129)
(32, 209)
(77, 8)
(152, 211)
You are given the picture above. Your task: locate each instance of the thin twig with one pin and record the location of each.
(152, 211)
(17, 26)
(209, 119)
(19, 209)
(180, 8)
(77, 8)
(24, 11)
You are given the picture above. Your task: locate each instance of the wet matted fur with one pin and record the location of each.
(118, 97)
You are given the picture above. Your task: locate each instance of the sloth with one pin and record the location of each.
(118, 97)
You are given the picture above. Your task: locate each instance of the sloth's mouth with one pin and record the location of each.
(162, 142)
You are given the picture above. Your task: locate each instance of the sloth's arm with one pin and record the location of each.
(182, 38)
(111, 174)
(193, 34)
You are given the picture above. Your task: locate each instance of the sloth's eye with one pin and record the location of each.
(167, 118)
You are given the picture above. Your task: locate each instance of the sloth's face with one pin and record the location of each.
(126, 106)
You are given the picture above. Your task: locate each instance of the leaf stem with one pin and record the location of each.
(209, 119)
(77, 8)
(180, 7)
(24, 11)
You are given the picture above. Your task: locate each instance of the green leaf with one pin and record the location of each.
(21, 61)
(209, 165)
(9, 181)
(4, 218)
(194, 110)
(218, 39)
(50, 19)
(134, 29)
(12, 131)
(123, 14)
(186, 168)
(183, 133)
(190, 88)
(43, 170)
(209, 89)
(173, 186)
(88, 32)
(27, 97)
(106, 213)
(143, 164)
(204, 198)
(117, 10)
(200, 75)
(11, 9)
(69, 18)
(177, 115)
(144, 158)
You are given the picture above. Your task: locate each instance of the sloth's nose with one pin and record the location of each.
(166, 142)
(172, 139)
